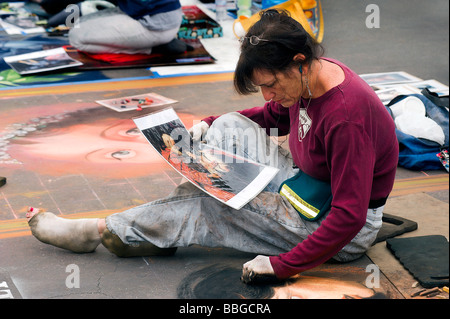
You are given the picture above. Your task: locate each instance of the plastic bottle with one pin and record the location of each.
(221, 9)
(308, 4)
(244, 8)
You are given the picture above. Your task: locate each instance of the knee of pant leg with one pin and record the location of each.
(114, 244)
(75, 36)
(186, 189)
(227, 130)
(232, 119)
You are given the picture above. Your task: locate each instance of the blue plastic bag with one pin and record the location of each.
(417, 153)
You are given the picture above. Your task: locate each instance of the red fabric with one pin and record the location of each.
(118, 58)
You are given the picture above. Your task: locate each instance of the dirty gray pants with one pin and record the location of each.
(267, 225)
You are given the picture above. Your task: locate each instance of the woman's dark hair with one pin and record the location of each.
(284, 37)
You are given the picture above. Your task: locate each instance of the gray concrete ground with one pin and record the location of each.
(413, 37)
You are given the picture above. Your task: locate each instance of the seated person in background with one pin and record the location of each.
(131, 27)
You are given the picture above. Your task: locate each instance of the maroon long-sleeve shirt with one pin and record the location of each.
(352, 144)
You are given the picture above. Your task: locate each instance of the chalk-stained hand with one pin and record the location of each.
(260, 265)
(198, 131)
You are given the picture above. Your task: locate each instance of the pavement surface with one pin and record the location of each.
(412, 37)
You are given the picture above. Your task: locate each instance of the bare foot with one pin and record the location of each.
(77, 235)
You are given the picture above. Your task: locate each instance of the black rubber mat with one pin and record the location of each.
(394, 226)
(425, 257)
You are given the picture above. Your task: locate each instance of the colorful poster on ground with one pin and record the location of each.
(41, 61)
(136, 102)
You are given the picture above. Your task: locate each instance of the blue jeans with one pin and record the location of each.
(267, 225)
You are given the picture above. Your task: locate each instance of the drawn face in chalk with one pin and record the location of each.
(93, 141)
(306, 287)
(219, 282)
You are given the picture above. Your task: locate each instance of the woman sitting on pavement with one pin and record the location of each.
(339, 133)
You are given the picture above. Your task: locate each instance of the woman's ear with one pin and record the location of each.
(299, 58)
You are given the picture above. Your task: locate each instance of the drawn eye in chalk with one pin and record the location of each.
(132, 132)
(122, 154)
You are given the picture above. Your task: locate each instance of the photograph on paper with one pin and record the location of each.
(231, 179)
(135, 102)
(388, 78)
(41, 61)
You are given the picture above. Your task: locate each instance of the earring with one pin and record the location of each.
(300, 69)
(307, 86)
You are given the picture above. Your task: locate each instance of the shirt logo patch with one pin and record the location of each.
(304, 124)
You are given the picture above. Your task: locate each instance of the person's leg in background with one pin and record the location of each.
(113, 31)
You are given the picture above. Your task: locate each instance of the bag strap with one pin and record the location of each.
(436, 99)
